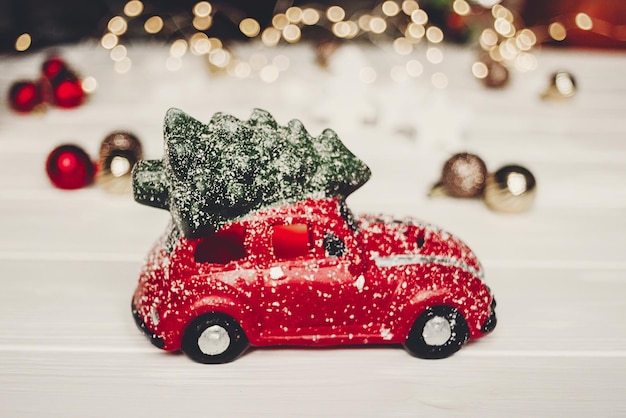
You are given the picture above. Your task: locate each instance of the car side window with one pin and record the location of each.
(291, 241)
(222, 247)
(334, 246)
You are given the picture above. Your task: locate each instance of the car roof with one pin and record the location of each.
(309, 208)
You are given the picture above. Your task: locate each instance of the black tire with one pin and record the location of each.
(438, 332)
(214, 338)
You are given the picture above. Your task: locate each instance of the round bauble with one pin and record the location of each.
(511, 189)
(68, 93)
(463, 175)
(119, 152)
(52, 67)
(25, 96)
(69, 167)
(562, 86)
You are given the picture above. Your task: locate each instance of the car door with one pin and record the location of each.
(310, 291)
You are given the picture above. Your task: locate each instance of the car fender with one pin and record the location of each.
(423, 286)
(213, 295)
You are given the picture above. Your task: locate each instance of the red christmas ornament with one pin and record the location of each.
(59, 85)
(69, 167)
(52, 67)
(68, 93)
(64, 88)
(24, 96)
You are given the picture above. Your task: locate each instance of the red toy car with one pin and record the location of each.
(310, 274)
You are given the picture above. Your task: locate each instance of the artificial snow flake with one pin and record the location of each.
(276, 273)
(360, 282)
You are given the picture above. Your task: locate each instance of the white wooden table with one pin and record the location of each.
(69, 261)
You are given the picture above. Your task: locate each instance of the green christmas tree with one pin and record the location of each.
(214, 173)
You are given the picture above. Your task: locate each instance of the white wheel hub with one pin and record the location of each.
(437, 331)
(214, 340)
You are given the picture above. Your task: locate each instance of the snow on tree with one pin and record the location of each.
(214, 173)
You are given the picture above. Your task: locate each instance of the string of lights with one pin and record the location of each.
(403, 26)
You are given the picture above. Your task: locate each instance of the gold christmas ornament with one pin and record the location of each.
(463, 175)
(119, 152)
(511, 189)
(562, 86)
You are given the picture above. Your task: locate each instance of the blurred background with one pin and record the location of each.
(65, 21)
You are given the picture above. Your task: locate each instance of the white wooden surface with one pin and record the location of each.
(69, 260)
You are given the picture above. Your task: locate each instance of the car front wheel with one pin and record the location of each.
(438, 332)
(214, 338)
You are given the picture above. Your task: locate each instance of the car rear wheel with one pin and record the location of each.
(438, 332)
(214, 338)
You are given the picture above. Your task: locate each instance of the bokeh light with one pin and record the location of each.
(402, 46)
(269, 73)
(117, 25)
(557, 31)
(434, 55)
(89, 84)
(118, 53)
(434, 34)
(270, 36)
(390, 8)
(480, 70)
(414, 68)
(367, 75)
(583, 21)
(335, 14)
(439, 80)
(109, 40)
(133, 8)
(409, 6)
(202, 22)
(310, 16)
(202, 9)
(461, 7)
(178, 48)
(23, 42)
(378, 25)
(153, 25)
(292, 33)
(250, 27)
(294, 14)
(419, 16)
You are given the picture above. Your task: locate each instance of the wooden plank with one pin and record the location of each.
(343, 382)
